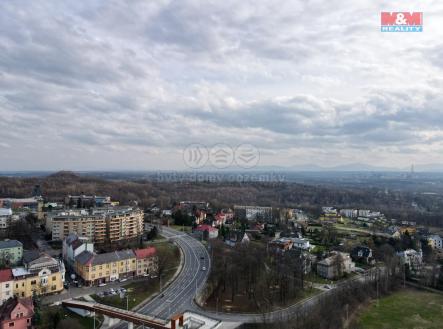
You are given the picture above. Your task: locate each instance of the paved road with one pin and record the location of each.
(178, 296)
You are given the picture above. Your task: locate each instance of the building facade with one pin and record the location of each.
(98, 225)
(100, 268)
(253, 213)
(17, 313)
(6, 283)
(147, 261)
(40, 276)
(11, 252)
(435, 241)
(335, 266)
(73, 245)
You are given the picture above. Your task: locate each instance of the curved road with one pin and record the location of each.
(178, 296)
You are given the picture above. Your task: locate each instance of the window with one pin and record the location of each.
(11, 324)
(7, 285)
(33, 282)
(54, 278)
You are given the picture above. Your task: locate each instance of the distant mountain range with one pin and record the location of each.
(353, 167)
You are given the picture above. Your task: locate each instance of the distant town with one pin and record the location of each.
(112, 264)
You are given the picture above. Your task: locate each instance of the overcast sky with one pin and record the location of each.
(129, 84)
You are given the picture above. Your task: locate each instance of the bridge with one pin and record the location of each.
(130, 317)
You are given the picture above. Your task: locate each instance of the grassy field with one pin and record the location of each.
(187, 229)
(407, 309)
(139, 291)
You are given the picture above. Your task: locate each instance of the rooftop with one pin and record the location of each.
(6, 275)
(145, 253)
(10, 244)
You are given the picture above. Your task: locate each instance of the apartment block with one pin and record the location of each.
(99, 225)
(11, 252)
(252, 213)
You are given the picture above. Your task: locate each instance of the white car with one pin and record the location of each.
(204, 268)
(102, 284)
(122, 280)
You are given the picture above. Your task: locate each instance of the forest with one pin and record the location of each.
(396, 204)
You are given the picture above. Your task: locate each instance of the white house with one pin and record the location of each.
(435, 241)
(301, 243)
(74, 245)
(412, 258)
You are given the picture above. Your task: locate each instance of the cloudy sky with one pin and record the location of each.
(129, 84)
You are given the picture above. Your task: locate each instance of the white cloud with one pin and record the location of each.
(100, 82)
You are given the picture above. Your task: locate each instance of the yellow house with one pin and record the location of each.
(100, 268)
(410, 230)
(41, 276)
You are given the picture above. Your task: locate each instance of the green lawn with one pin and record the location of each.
(406, 309)
(187, 229)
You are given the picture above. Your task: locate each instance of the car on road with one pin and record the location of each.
(122, 280)
(202, 257)
(153, 276)
(327, 286)
(204, 268)
(102, 284)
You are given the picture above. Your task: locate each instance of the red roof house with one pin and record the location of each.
(17, 313)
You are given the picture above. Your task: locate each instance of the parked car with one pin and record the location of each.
(204, 268)
(102, 284)
(122, 280)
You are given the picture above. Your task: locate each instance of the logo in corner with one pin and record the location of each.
(401, 21)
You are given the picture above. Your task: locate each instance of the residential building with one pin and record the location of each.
(73, 245)
(281, 245)
(33, 203)
(41, 275)
(99, 225)
(253, 213)
(6, 282)
(349, 213)
(147, 261)
(5, 217)
(412, 258)
(362, 254)
(409, 229)
(237, 237)
(87, 201)
(207, 231)
(17, 313)
(301, 243)
(335, 265)
(11, 252)
(99, 268)
(435, 241)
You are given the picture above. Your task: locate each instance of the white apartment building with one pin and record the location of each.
(435, 241)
